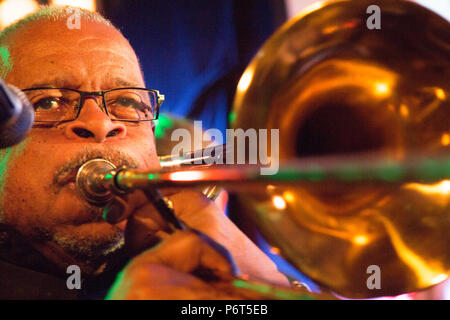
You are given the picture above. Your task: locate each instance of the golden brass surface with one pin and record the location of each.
(332, 86)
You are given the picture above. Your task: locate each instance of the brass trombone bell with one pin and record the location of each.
(334, 87)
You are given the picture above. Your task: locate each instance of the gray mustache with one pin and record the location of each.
(117, 157)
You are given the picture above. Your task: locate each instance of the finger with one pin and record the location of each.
(206, 258)
(122, 206)
(143, 233)
(190, 252)
(115, 211)
(155, 281)
(188, 201)
(144, 222)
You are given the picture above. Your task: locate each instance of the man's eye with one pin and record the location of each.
(48, 103)
(128, 102)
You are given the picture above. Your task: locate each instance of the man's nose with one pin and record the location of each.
(93, 123)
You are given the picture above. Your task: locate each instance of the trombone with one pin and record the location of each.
(364, 176)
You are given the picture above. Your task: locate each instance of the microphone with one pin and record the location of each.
(16, 115)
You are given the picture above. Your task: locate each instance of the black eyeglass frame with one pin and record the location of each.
(83, 94)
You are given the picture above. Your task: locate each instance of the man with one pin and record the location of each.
(45, 224)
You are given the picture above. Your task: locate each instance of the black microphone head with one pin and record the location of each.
(14, 131)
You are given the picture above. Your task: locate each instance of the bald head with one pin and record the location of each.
(47, 24)
(43, 42)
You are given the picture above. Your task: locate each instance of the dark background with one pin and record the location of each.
(194, 51)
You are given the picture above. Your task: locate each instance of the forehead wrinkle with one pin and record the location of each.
(57, 82)
(113, 68)
(88, 38)
(39, 49)
(96, 40)
(115, 46)
(112, 82)
(115, 73)
(129, 58)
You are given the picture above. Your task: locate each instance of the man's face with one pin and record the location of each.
(39, 198)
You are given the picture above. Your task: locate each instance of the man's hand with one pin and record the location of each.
(185, 265)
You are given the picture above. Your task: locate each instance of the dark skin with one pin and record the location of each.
(98, 57)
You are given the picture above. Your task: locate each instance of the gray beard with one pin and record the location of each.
(90, 249)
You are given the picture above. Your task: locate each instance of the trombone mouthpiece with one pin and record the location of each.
(89, 181)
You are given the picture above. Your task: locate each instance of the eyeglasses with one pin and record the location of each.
(124, 104)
